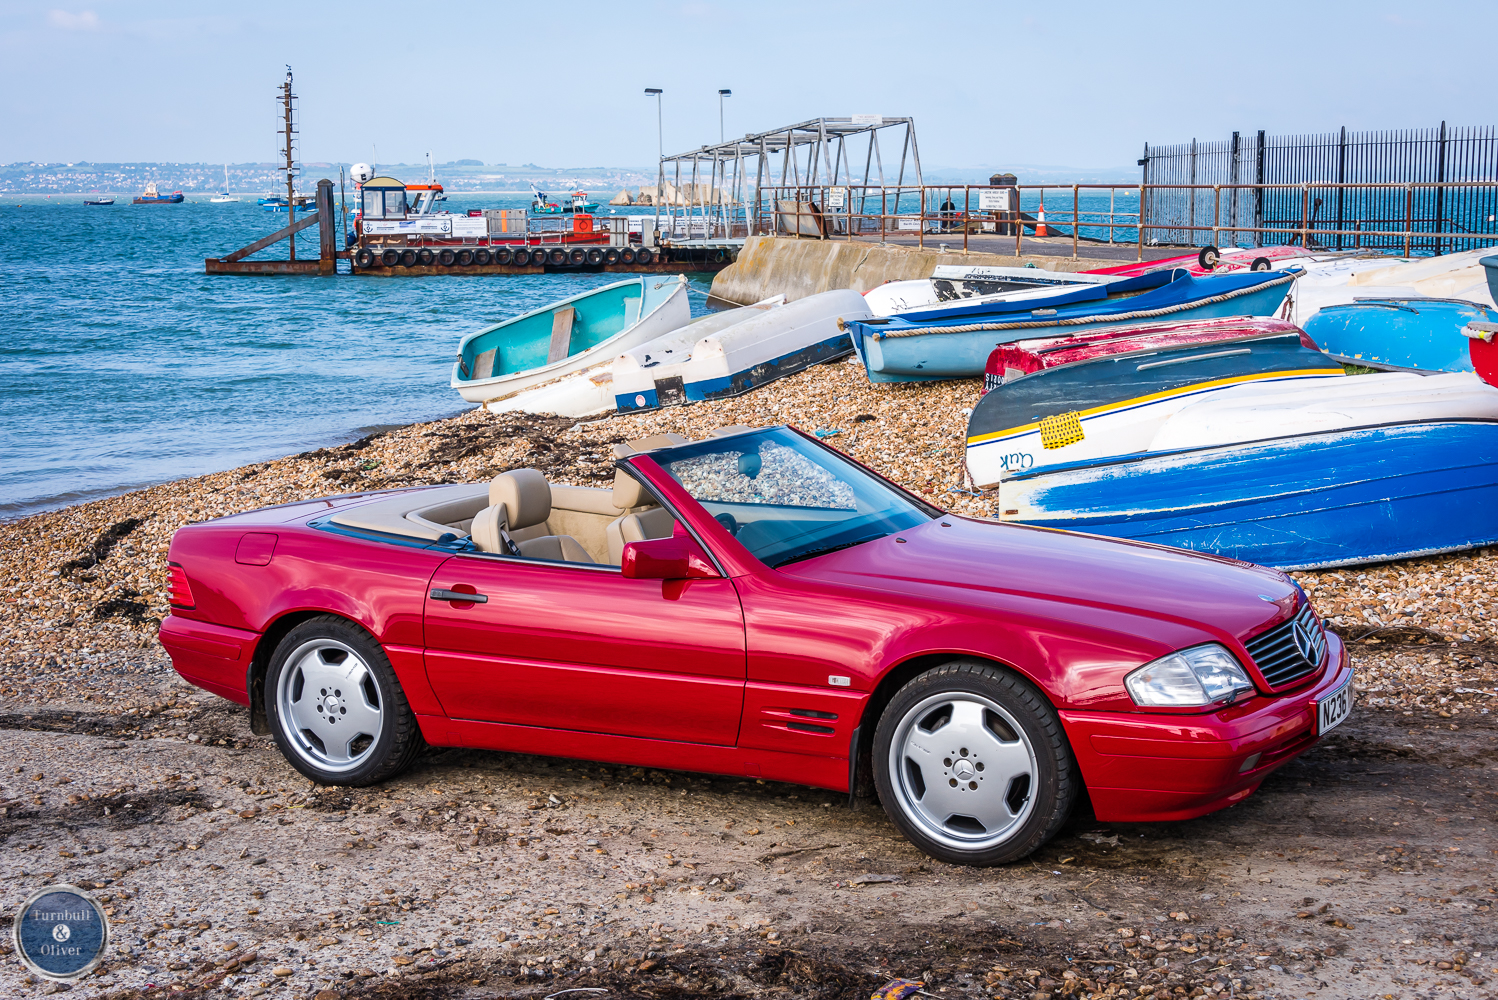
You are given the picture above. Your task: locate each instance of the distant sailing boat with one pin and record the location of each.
(224, 195)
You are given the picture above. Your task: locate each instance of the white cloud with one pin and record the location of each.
(84, 21)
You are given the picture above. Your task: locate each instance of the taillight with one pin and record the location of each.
(181, 590)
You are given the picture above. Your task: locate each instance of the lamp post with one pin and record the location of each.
(660, 141)
(722, 94)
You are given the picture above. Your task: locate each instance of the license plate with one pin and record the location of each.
(1334, 709)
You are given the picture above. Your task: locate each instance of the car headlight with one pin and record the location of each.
(1201, 675)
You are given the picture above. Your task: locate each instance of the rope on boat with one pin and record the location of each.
(1085, 320)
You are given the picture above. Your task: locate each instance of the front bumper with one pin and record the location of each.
(1144, 767)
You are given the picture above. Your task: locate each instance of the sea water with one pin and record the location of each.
(122, 364)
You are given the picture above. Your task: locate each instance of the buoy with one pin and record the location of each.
(1040, 229)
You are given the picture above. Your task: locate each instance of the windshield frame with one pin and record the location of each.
(654, 466)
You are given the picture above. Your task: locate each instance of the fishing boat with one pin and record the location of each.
(591, 391)
(956, 342)
(963, 285)
(1009, 361)
(1366, 469)
(541, 203)
(742, 356)
(98, 201)
(153, 197)
(1113, 405)
(568, 336)
(224, 195)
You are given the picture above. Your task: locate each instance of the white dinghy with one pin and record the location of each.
(952, 285)
(747, 354)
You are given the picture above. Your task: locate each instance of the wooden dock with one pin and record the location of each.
(327, 245)
(669, 260)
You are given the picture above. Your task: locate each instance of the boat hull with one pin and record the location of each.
(1115, 405)
(907, 354)
(1311, 501)
(1008, 361)
(746, 355)
(1419, 334)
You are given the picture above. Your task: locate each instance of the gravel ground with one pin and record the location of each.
(1363, 867)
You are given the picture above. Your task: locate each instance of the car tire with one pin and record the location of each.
(1004, 786)
(335, 707)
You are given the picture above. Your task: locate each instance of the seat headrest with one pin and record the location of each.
(525, 494)
(485, 530)
(629, 492)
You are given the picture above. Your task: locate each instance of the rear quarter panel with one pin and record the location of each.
(380, 585)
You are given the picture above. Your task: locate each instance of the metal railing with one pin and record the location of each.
(898, 213)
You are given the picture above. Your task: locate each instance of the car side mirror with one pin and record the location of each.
(666, 559)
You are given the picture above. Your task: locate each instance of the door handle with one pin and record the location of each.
(456, 595)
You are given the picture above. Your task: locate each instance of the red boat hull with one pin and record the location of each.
(1025, 356)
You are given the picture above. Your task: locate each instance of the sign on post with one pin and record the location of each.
(994, 200)
(868, 119)
(837, 197)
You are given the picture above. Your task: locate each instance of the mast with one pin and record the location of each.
(288, 130)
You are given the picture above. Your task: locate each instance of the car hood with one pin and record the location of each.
(1164, 595)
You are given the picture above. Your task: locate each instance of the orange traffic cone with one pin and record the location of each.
(1040, 229)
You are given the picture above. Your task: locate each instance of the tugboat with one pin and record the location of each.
(543, 205)
(152, 197)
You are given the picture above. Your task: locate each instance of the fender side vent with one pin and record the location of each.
(811, 713)
(807, 727)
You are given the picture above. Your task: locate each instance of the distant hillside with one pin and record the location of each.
(459, 175)
(462, 175)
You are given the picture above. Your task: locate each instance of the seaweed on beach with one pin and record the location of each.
(102, 546)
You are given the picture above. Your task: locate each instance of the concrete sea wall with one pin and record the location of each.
(769, 265)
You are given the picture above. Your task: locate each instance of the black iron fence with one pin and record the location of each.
(1335, 190)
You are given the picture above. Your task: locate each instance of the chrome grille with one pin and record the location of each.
(1282, 655)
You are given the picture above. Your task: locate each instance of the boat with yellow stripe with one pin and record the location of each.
(1113, 405)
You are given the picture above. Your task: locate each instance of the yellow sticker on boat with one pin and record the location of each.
(1061, 430)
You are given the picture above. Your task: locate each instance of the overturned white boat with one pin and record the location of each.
(957, 285)
(574, 334)
(742, 356)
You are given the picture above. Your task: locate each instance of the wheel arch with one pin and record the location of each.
(270, 639)
(860, 766)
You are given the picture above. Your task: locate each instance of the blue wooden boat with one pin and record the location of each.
(955, 342)
(1311, 501)
(1399, 334)
(1113, 405)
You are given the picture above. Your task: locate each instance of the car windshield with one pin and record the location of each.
(785, 498)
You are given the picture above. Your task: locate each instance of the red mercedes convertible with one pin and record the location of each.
(759, 604)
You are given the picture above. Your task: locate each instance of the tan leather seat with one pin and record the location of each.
(656, 522)
(521, 499)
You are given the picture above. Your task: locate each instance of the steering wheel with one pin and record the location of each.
(729, 522)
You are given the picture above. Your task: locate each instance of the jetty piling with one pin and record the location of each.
(326, 262)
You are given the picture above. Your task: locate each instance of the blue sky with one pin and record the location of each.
(995, 84)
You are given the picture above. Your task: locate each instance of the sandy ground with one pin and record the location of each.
(1358, 871)
(1355, 872)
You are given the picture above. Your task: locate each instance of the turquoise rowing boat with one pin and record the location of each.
(568, 336)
